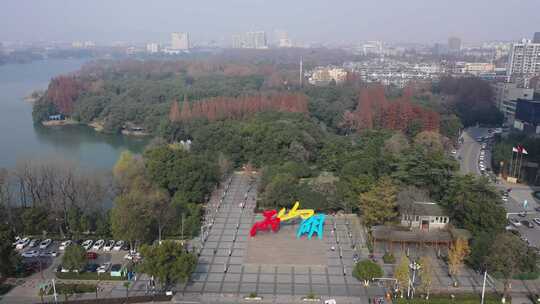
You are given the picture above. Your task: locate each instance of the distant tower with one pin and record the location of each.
(301, 72)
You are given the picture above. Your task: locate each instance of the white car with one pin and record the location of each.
(537, 221)
(98, 245)
(118, 246)
(514, 222)
(22, 243)
(30, 254)
(64, 245)
(87, 244)
(46, 243)
(505, 198)
(48, 254)
(109, 246)
(104, 268)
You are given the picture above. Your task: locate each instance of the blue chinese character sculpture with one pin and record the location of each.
(314, 224)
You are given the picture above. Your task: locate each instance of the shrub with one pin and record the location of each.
(389, 258)
(366, 270)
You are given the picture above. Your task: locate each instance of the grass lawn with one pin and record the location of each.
(88, 276)
(459, 299)
(73, 288)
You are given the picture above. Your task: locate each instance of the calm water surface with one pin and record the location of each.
(20, 139)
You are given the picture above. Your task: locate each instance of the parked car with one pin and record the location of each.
(87, 244)
(109, 246)
(98, 245)
(522, 214)
(30, 254)
(537, 221)
(46, 243)
(514, 222)
(91, 267)
(104, 268)
(116, 270)
(91, 255)
(64, 245)
(118, 246)
(505, 198)
(48, 254)
(527, 224)
(34, 243)
(22, 243)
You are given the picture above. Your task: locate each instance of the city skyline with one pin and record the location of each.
(417, 21)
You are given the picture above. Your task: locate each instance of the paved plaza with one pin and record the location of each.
(232, 263)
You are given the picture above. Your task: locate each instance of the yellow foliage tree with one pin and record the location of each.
(459, 251)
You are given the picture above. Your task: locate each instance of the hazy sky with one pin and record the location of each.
(308, 21)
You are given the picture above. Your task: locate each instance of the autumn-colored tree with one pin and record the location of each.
(426, 274)
(375, 111)
(379, 204)
(456, 255)
(174, 113)
(402, 273)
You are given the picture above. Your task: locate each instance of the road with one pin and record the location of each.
(469, 153)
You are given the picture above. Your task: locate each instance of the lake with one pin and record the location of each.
(20, 139)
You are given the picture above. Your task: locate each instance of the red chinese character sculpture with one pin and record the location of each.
(270, 221)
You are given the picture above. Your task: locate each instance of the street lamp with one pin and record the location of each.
(410, 290)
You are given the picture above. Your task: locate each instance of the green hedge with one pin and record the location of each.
(88, 276)
(527, 276)
(73, 288)
(459, 299)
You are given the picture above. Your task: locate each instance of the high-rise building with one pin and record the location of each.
(454, 44)
(523, 62)
(536, 37)
(152, 48)
(250, 40)
(180, 41)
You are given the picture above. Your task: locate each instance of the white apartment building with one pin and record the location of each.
(152, 48)
(524, 62)
(250, 40)
(325, 75)
(180, 41)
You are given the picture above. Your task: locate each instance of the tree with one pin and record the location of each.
(169, 262)
(426, 274)
(402, 273)
(396, 144)
(474, 204)
(8, 257)
(379, 204)
(126, 285)
(366, 270)
(74, 257)
(430, 140)
(129, 217)
(456, 255)
(504, 258)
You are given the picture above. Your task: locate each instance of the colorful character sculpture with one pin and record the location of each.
(314, 224)
(294, 212)
(270, 222)
(311, 222)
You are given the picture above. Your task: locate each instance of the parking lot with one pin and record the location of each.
(470, 153)
(273, 264)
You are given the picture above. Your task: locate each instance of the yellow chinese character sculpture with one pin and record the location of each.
(294, 212)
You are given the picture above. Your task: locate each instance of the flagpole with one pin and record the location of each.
(520, 165)
(510, 171)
